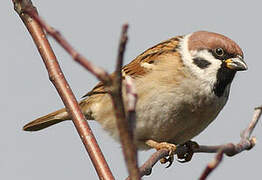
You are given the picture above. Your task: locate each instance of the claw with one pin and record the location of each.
(191, 145)
(186, 158)
(170, 159)
(164, 145)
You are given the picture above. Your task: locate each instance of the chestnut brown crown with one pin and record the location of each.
(210, 40)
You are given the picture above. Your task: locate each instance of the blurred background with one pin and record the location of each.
(93, 28)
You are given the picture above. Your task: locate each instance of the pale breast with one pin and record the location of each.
(164, 115)
(178, 114)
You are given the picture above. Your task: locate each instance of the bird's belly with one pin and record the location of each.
(176, 122)
(171, 117)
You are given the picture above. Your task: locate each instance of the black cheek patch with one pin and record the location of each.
(201, 63)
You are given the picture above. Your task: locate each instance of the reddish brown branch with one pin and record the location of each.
(57, 78)
(97, 71)
(126, 138)
(146, 168)
(230, 149)
(212, 165)
(115, 85)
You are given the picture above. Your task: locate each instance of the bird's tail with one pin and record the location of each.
(57, 117)
(47, 120)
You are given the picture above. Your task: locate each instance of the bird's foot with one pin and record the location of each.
(164, 145)
(187, 156)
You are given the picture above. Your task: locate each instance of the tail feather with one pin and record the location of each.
(48, 120)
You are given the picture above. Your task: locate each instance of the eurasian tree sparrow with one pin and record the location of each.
(182, 84)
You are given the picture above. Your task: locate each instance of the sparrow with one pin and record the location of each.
(182, 84)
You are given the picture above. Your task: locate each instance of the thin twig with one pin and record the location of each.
(57, 78)
(100, 73)
(212, 165)
(146, 168)
(246, 143)
(114, 84)
(230, 149)
(126, 138)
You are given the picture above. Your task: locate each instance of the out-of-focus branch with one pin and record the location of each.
(126, 138)
(230, 149)
(114, 84)
(57, 78)
(131, 106)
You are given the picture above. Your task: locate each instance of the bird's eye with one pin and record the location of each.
(219, 51)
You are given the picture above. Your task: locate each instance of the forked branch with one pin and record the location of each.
(34, 24)
(246, 143)
(57, 78)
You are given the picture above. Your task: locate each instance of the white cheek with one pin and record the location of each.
(207, 75)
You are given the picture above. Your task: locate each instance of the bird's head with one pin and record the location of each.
(212, 57)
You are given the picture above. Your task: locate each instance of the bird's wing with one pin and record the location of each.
(136, 67)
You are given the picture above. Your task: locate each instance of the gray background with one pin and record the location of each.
(93, 27)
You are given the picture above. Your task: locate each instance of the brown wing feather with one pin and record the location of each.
(134, 68)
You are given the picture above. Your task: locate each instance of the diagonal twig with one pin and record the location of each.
(57, 78)
(115, 90)
(100, 73)
(126, 138)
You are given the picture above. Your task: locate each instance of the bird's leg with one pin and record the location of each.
(186, 157)
(164, 145)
